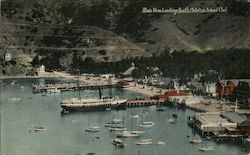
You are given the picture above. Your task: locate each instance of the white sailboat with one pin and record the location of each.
(117, 128)
(171, 120)
(147, 124)
(92, 128)
(206, 148)
(161, 143)
(129, 134)
(195, 141)
(144, 142)
(116, 125)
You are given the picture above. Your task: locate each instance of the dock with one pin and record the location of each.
(41, 88)
(144, 102)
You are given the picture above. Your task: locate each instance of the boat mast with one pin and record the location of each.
(100, 93)
(78, 84)
(131, 125)
(110, 88)
(236, 106)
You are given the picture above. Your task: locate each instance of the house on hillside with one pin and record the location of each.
(7, 56)
(129, 71)
(40, 70)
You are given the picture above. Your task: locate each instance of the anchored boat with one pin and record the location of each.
(129, 134)
(117, 142)
(93, 104)
(144, 142)
(36, 128)
(195, 141)
(93, 129)
(147, 124)
(209, 148)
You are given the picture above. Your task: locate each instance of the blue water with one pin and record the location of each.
(66, 135)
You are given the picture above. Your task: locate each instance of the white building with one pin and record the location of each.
(210, 89)
(7, 56)
(186, 99)
(128, 72)
(107, 76)
(213, 122)
(40, 70)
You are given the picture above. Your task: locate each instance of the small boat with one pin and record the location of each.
(64, 112)
(117, 129)
(34, 129)
(13, 83)
(160, 109)
(208, 138)
(208, 148)
(147, 124)
(138, 132)
(144, 142)
(116, 121)
(108, 109)
(195, 141)
(118, 142)
(14, 99)
(108, 124)
(171, 120)
(161, 143)
(43, 94)
(174, 115)
(129, 134)
(93, 129)
(135, 116)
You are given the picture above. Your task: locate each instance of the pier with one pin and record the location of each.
(144, 102)
(69, 86)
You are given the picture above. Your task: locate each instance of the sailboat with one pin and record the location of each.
(129, 134)
(117, 128)
(206, 148)
(116, 125)
(144, 142)
(147, 124)
(92, 128)
(195, 141)
(118, 142)
(171, 120)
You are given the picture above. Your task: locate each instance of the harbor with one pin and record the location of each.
(165, 128)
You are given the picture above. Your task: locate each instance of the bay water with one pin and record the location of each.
(21, 109)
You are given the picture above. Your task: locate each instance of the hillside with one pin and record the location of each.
(59, 31)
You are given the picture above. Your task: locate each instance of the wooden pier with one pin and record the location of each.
(69, 86)
(144, 102)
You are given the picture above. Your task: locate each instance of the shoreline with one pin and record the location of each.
(142, 89)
